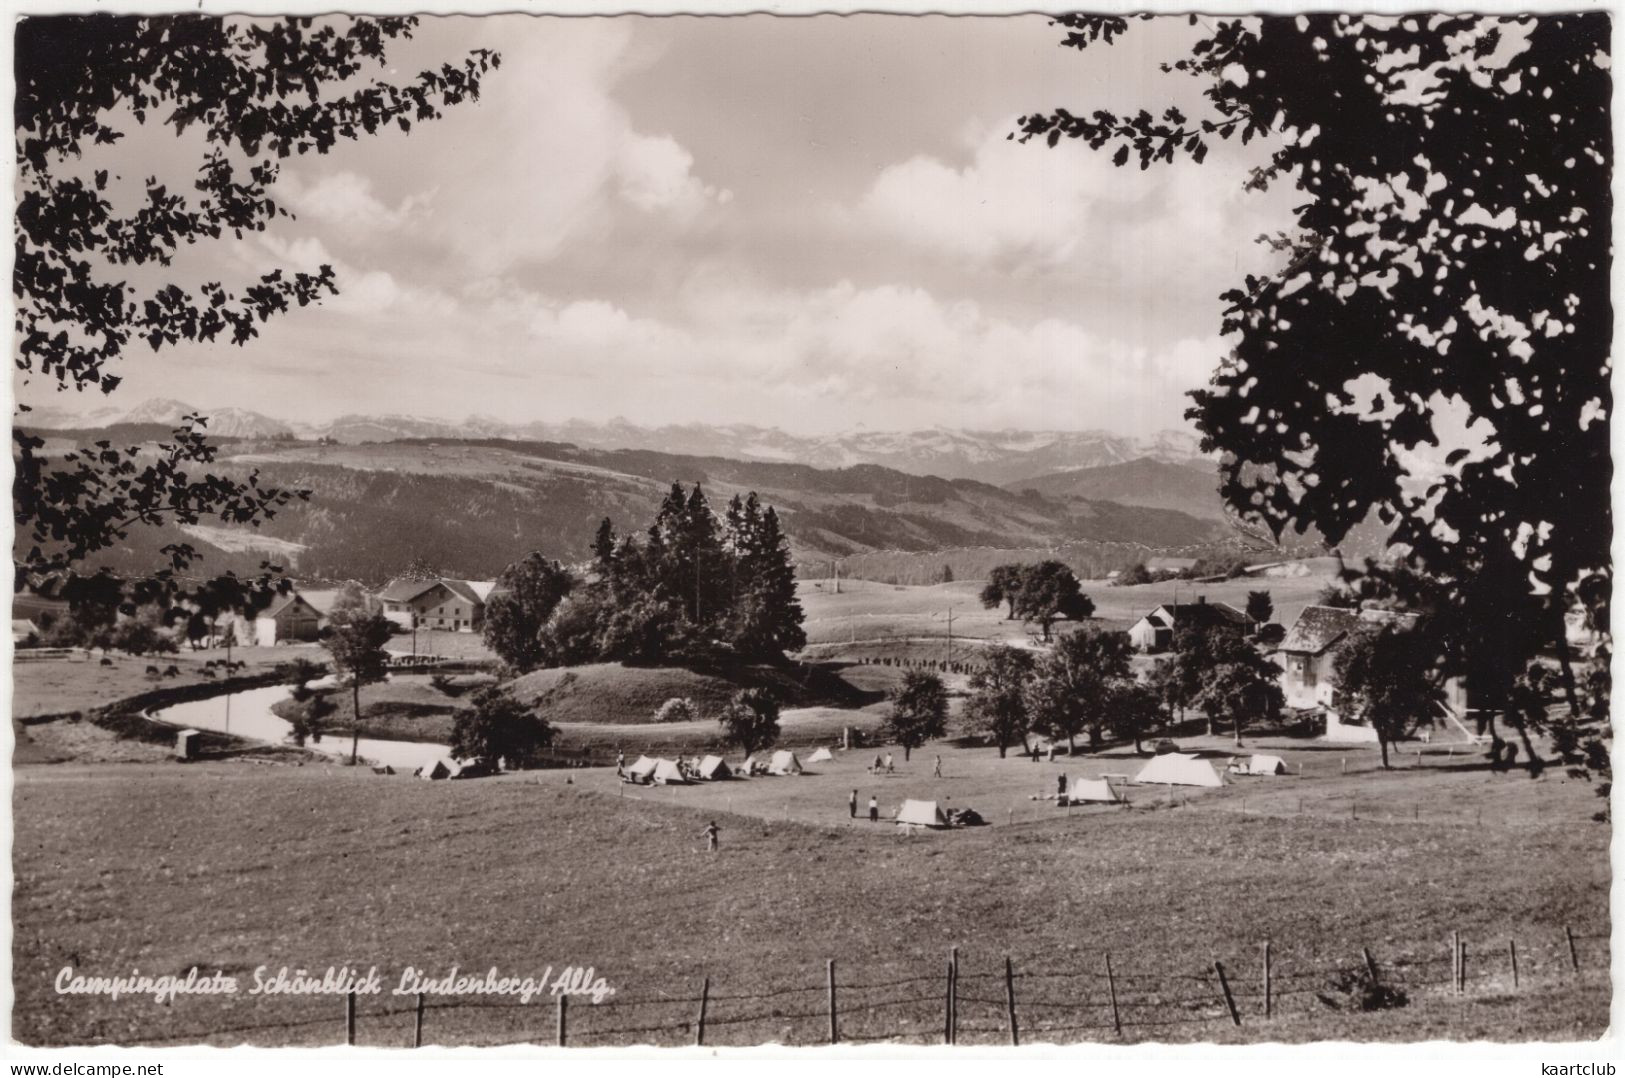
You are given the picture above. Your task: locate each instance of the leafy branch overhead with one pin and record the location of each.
(1447, 271)
(254, 93)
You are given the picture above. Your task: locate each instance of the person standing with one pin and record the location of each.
(874, 809)
(711, 832)
(937, 771)
(620, 763)
(891, 768)
(852, 805)
(875, 770)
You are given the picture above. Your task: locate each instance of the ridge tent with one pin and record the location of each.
(820, 756)
(667, 773)
(713, 768)
(921, 814)
(1093, 790)
(642, 771)
(1258, 765)
(443, 768)
(784, 763)
(754, 764)
(1179, 769)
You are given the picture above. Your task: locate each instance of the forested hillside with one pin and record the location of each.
(472, 507)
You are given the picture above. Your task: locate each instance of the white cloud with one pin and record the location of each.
(345, 199)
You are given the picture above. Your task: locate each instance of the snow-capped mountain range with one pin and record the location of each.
(993, 456)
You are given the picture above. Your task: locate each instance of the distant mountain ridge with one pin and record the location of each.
(1189, 487)
(989, 456)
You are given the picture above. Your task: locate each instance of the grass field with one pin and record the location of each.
(231, 867)
(60, 686)
(870, 617)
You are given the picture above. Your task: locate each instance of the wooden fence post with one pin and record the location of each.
(948, 1005)
(417, 1024)
(1455, 961)
(1574, 955)
(1111, 986)
(705, 1001)
(1268, 1005)
(1461, 971)
(953, 996)
(563, 1001)
(349, 1018)
(1229, 1000)
(1512, 949)
(1010, 999)
(834, 1029)
(1370, 964)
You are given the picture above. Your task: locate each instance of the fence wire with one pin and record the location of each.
(1081, 1001)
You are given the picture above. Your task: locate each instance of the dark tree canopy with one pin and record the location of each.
(919, 711)
(997, 708)
(1070, 685)
(496, 729)
(254, 92)
(750, 720)
(1387, 680)
(525, 596)
(1048, 591)
(1450, 256)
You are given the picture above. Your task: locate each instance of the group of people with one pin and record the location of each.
(852, 807)
(888, 766)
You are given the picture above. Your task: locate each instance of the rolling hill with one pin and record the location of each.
(474, 506)
(1186, 487)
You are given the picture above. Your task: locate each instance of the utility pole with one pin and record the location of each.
(950, 632)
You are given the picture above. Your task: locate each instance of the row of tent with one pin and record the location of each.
(650, 771)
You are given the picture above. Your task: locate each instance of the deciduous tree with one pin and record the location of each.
(244, 95)
(497, 730)
(919, 711)
(997, 707)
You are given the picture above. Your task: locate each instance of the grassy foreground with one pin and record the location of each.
(230, 867)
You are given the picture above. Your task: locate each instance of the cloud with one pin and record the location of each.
(1035, 210)
(346, 199)
(568, 160)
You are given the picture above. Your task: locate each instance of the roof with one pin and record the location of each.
(465, 589)
(1170, 563)
(1320, 627)
(404, 591)
(23, 626)
(283, 602)
(401, 591)
(1203, 615)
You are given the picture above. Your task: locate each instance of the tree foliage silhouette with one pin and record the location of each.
(254, 93)
(1450, 257)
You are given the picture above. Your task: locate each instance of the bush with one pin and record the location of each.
(444, 685)
(677, 709)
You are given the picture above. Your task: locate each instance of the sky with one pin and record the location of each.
(815, 223)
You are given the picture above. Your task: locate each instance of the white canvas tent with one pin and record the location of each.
(443, 768)
(1093, 790)
(784, 763)
(713, 768)
(667, 773)
(1258, 765)
(643, 770)
(755, 764)
(1179, 769)
(820, 756)
(921, 814)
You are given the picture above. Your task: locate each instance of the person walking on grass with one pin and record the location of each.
(936, 772)
(874, 809)
(711, 832)
(852, 805)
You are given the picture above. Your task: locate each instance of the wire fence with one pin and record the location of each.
(956, 1001)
